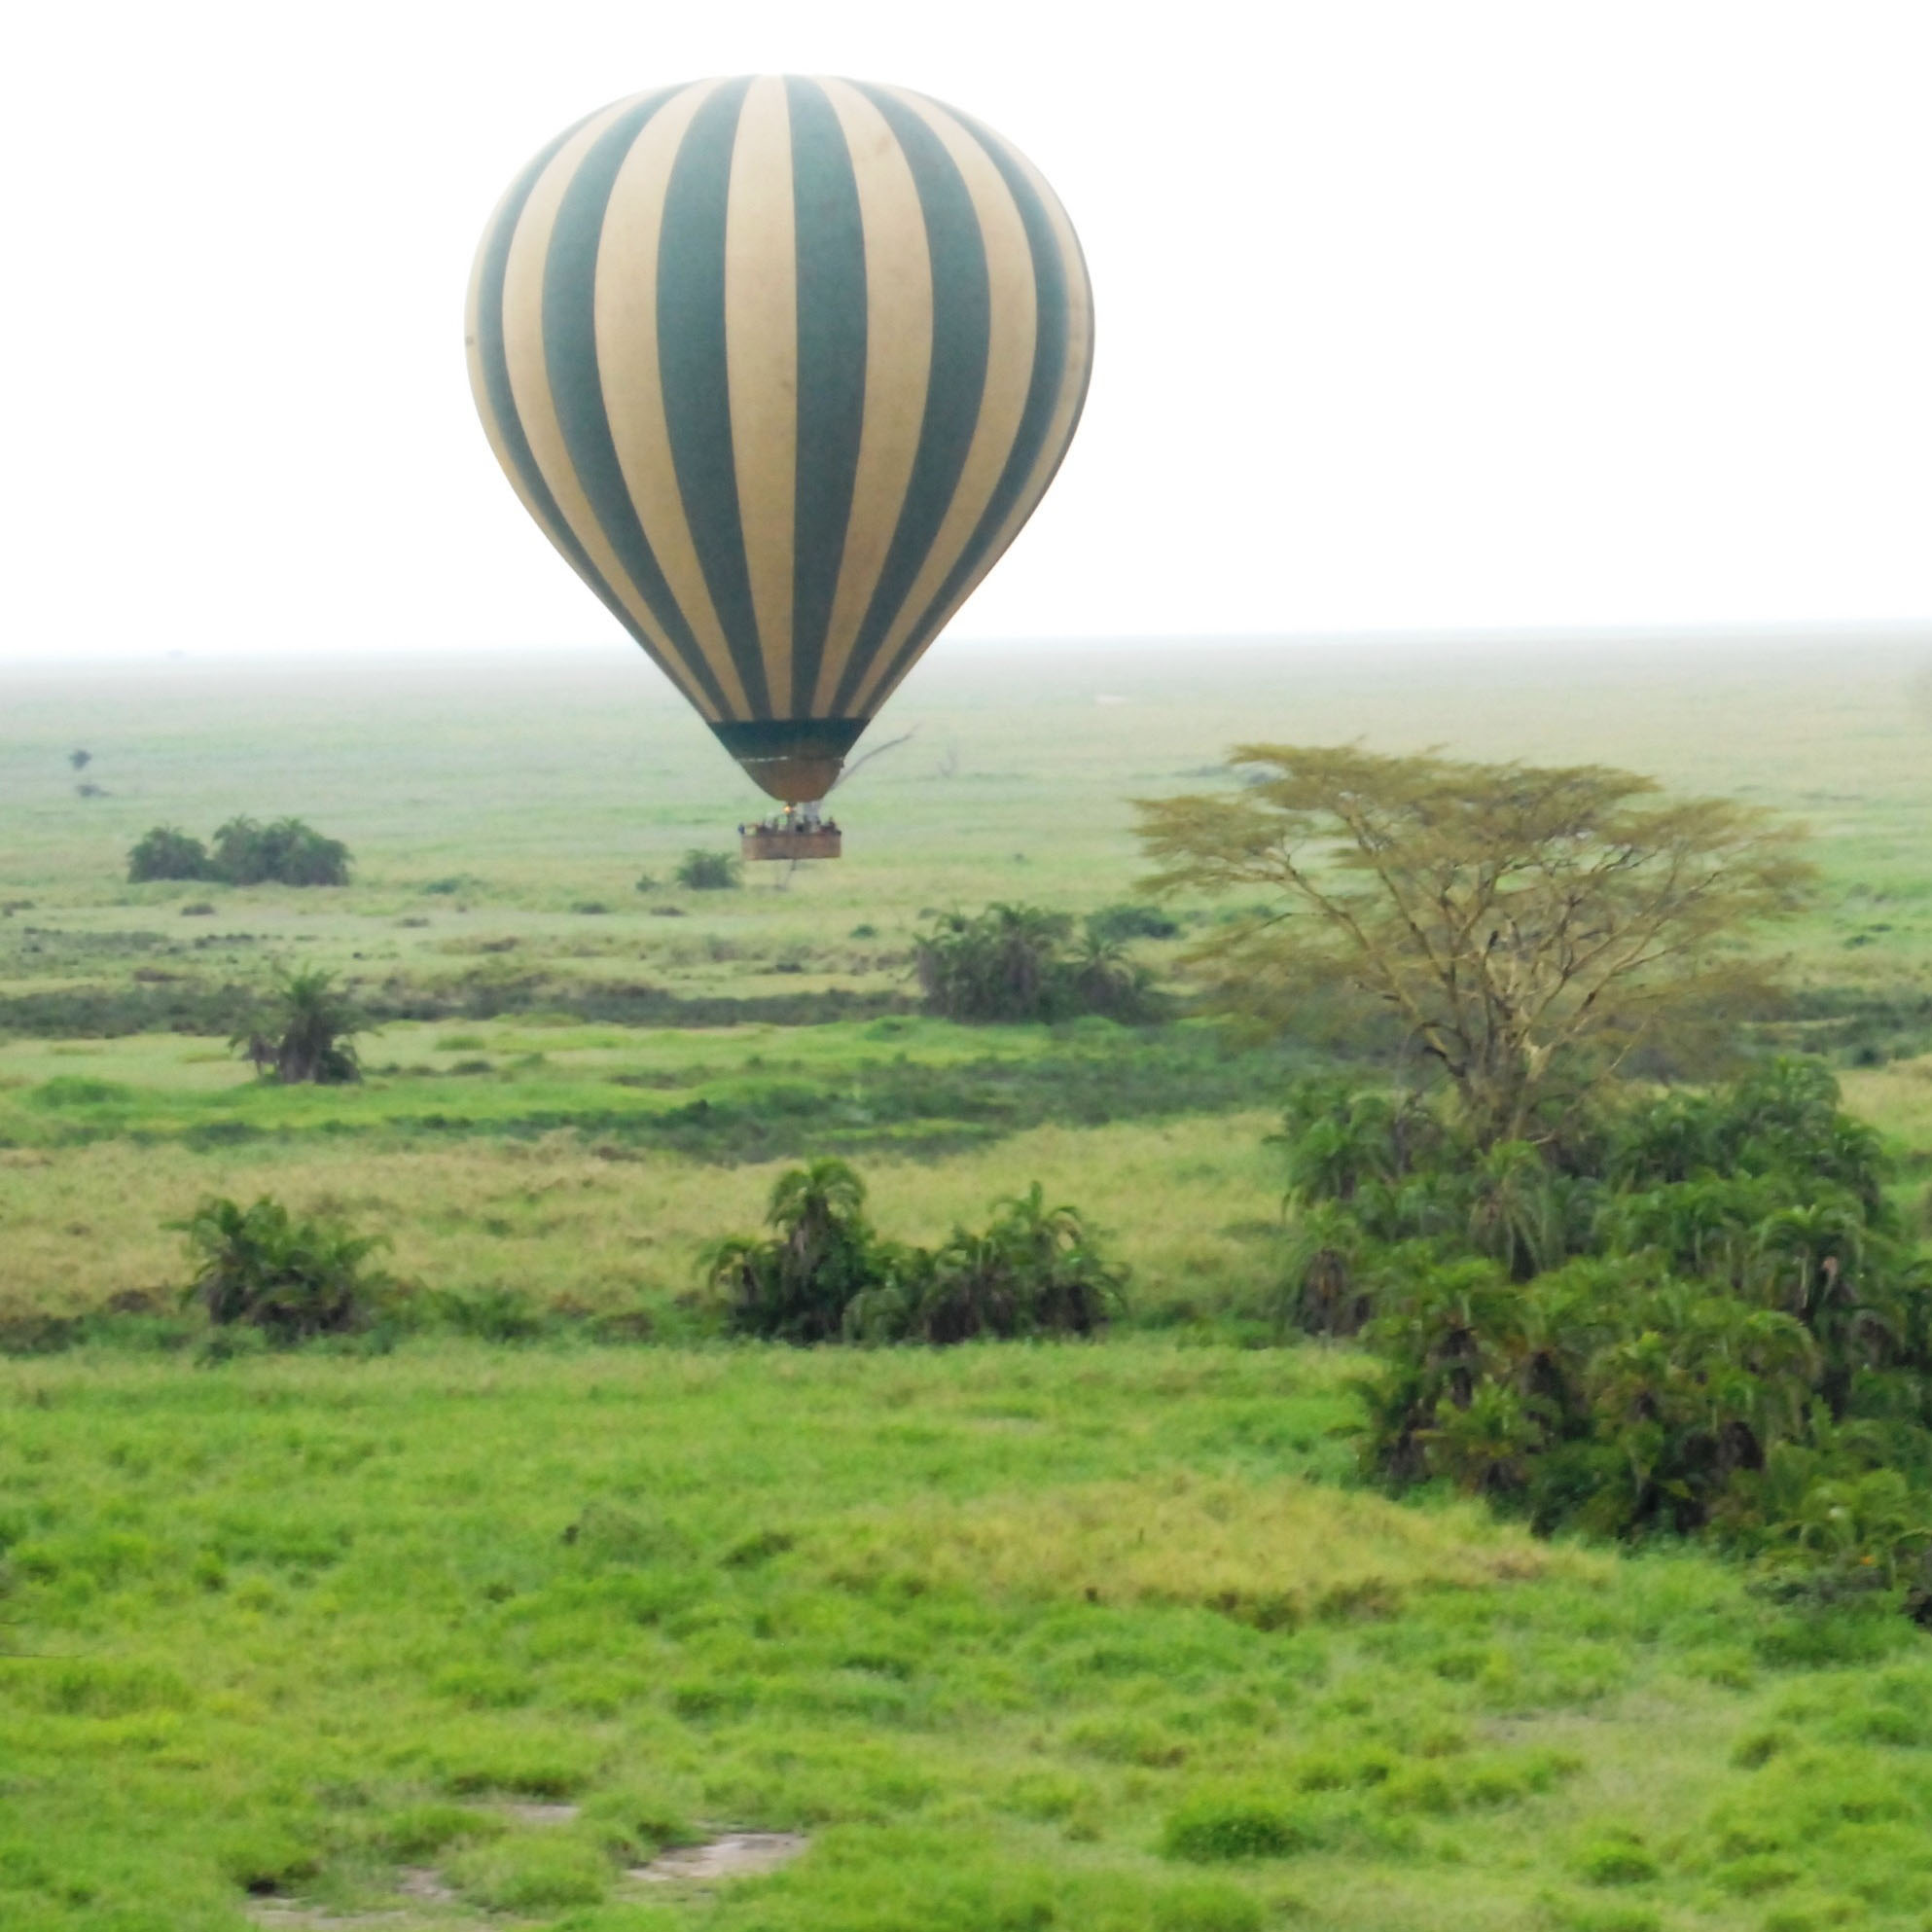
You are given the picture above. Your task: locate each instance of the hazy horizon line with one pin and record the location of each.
(1718, 635)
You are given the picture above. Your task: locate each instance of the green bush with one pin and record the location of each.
(533, 1873)
(287, 852)
(1700, 1313)
(423, 1829)
(292, 1279)
(1024, 963)
(1033, 1270)
(824, 1274)
(708, 872)
(1207, 1905)
(1617, 1861)
(168, 852)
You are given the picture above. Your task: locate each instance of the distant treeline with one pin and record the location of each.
(243, 852)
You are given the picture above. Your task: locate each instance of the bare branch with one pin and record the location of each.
(858, 765)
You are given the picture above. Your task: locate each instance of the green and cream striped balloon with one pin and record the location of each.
(781, 366)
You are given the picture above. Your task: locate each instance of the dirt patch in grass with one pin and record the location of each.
(735, 1855)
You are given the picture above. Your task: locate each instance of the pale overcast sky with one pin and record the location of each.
(1446, 316)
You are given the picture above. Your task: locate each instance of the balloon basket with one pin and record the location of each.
(778, 842)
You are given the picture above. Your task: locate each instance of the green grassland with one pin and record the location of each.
(1018, 1637)
(490, 803)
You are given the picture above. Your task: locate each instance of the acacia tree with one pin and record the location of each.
(1526, 927)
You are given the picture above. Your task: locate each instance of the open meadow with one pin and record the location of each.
(470, 1620)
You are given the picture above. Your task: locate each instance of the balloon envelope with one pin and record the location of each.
(781, 366)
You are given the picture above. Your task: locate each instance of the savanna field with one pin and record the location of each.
(484, 1614)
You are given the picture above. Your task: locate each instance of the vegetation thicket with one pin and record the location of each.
(825, 1274)
(1701, 1312)
(286, 852)
(1015, 962)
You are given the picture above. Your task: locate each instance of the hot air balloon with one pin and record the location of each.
(781, 366)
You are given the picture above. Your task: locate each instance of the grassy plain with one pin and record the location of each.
(1019, 1638)
(1010, 1633)
(489, 803)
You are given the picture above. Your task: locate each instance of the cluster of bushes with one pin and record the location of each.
(824, 1274)
(1024, 963)
(287, 852)
(1698, 1314)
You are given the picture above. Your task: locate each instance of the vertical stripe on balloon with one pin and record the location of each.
(831, 339)
(490, 381)
(899, 331)
(577, 392)
(627, 366)
(694, 367)
(961, 329)
(762, 368)
(1011, 330)
(1060, 369)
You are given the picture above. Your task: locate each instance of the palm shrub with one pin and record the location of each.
(796, 1284)
(1325, 1287)
(306, 1032)
(1002, 963)
(822, 1274)
(1016, 963)
(291, 1277)
(1700, 1313)
(286, 852)
(1033, 1270)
